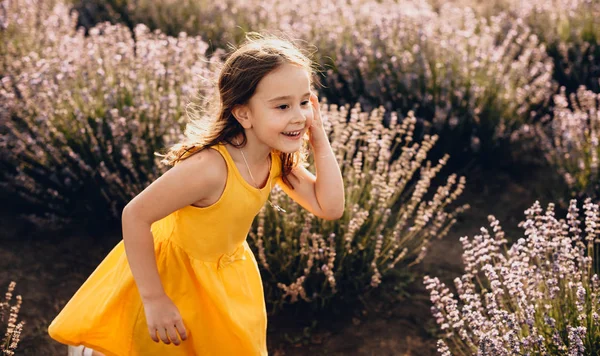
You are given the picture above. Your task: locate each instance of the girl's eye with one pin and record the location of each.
(285, 106)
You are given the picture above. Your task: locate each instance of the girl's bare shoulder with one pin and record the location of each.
(191, 180)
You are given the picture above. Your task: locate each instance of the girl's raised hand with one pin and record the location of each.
(316, 132)
(163, 318)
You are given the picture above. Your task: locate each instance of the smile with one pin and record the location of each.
(292, 133)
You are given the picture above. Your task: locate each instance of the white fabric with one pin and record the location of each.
(79, 351)
(75, 350)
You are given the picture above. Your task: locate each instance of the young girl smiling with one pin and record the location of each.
(183, 280)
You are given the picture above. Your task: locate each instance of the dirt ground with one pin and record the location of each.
(49, 269)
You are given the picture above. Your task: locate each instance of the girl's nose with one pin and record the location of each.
(300, 116)
(299, 119)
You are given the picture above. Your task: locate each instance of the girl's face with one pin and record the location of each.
(280, 105)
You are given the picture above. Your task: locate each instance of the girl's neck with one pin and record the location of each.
(256, 152)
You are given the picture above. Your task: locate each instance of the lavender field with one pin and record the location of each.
(467, 132)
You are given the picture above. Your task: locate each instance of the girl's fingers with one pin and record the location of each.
(169, 334)
(163, 335)
(314, 100)
(316, 107)
(172, 334)
(181, 329)
(153, 335)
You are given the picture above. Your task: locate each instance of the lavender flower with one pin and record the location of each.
(11, 338)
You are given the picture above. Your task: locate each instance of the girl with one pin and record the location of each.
(183, 280)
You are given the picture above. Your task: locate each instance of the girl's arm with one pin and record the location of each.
(322, 195)
(139, 248)
(182, 185)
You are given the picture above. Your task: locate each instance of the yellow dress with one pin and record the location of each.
(206, 268)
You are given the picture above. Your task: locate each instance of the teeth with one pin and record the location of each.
(293, 133)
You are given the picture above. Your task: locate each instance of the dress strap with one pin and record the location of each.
(235, 172)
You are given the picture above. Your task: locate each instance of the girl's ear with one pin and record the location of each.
(241, 114)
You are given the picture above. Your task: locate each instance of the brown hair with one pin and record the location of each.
(242, 71)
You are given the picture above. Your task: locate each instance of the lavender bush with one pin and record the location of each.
(222, 22)
(571, 140)
(8, 317)
(573, 43)
(392, 214)
(29, 25)
(572, 40)
(474, 79)
(81, 117)
(540, 296)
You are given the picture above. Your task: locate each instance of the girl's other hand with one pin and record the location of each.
(163, 317)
